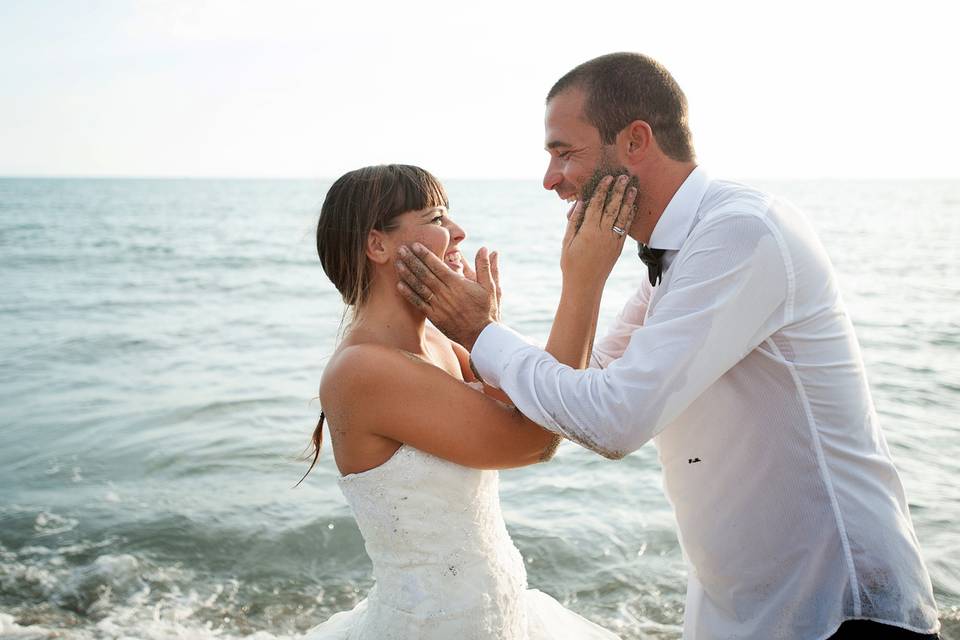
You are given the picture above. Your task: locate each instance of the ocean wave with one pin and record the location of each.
(119, 595)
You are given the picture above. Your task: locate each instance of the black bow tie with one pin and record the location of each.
(651, 258)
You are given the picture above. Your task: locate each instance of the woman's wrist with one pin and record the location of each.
(583, 285)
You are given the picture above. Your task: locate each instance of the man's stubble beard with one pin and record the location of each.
(606, 166)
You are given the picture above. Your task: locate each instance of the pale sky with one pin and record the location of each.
(839, 89)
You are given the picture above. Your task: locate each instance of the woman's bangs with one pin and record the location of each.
(418, 189)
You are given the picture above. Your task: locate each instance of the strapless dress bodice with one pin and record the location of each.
(434, 528)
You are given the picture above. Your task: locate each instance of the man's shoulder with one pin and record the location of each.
(728, 198)
(735, 208)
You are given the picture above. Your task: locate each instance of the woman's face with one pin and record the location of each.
(433, 228)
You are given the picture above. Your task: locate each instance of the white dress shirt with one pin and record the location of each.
(743, 367)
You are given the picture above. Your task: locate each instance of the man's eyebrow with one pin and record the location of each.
(556, 144)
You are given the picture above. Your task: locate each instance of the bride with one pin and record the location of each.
(416, 438)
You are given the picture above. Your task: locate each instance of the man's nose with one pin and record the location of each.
(552, 178)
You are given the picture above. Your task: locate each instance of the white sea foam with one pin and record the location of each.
(48, 524)
(121, 597)
(124, 625)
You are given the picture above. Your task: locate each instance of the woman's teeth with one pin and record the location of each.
(454, 259)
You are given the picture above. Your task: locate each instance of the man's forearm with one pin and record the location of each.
(575, 325)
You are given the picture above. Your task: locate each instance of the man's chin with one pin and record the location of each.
(590, 186)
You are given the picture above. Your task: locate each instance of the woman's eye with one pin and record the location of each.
(438, 219)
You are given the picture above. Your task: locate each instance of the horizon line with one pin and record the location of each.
(54, 176)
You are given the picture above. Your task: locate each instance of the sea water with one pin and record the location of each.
(161, 348)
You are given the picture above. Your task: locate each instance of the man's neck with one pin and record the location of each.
(658, 185)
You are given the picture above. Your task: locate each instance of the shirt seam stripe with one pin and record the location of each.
(784, 251)
(788, 267)
(825, 476)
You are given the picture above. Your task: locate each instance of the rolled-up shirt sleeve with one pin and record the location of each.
(730, 289)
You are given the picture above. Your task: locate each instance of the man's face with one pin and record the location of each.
(576, 152)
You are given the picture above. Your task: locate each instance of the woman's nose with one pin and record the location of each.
(457, 234)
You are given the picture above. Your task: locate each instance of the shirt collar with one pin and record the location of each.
(677, 219)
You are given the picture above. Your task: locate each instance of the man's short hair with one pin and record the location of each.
(623, 87)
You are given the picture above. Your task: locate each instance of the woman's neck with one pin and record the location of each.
(386, 318)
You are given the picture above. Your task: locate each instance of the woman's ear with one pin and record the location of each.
(378, 247)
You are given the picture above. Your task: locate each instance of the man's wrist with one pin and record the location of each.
(473, 368)
(493, 350)
(471, 339)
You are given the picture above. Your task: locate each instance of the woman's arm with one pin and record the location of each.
(575, 323)
(389, 393)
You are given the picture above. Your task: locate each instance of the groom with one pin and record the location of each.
(736, 357)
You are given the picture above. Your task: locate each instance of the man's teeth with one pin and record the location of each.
(571, 199)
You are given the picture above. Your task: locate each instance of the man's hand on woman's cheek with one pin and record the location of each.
(458, 306)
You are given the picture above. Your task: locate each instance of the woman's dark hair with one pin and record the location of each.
(359, 202)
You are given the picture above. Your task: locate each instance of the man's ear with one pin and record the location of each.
(378, 248)
(636, 141)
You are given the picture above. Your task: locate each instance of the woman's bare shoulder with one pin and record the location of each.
(361, 361)
(357, 380)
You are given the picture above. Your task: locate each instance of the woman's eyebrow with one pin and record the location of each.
(430, 212)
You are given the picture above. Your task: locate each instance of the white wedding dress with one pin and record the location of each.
(444, 565)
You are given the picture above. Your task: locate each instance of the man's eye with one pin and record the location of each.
(563, 155)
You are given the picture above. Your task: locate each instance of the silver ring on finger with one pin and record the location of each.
(617, 230)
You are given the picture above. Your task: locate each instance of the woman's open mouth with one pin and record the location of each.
(454, 260)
